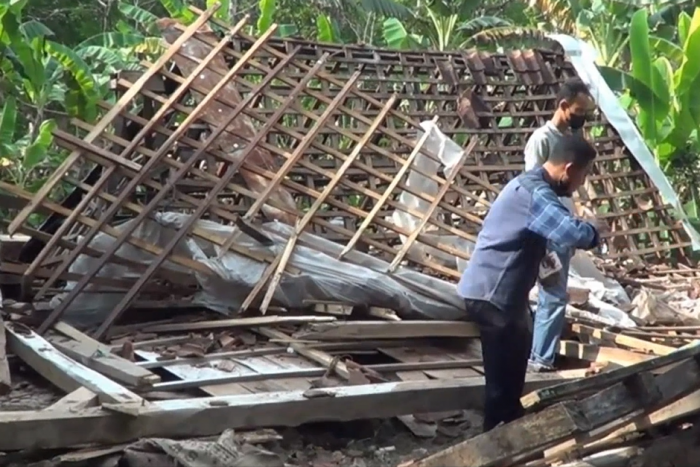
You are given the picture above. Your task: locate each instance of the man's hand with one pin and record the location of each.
(600, 226)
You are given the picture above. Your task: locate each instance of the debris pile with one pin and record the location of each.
(266, 233)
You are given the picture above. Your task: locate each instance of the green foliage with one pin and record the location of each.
(326, 31)
(19, 157)
(267, 12)
(40, 78)
(663, 85)
(452, 25)
(397, 36)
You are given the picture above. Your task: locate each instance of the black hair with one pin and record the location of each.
(570, 89)
(573, 149)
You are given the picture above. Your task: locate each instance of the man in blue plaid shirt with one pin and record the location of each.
(506, 263)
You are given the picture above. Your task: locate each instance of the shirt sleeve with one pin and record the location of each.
(551, 220)
(536, 150)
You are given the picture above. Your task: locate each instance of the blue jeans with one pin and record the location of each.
(550, 315)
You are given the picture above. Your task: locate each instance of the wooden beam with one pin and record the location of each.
(675, 385)
(5, 377)
(602, 380)
(63, 372)
(387, 330)
(189, 418)
(81, 398)
(237, 322)
(526, 435)
(99, 357)
(506, 443)
(599, 353)
(621, 339)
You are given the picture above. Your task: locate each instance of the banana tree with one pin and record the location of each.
(21, 156)
(663, 84)
(42, 73)
(604, 24)
(664, 88)
(443, 25)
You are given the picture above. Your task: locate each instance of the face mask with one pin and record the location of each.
(576, 121)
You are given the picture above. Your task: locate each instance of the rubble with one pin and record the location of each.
(265, 233)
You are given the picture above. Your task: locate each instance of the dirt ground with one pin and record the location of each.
(375, 443)
(29, 392)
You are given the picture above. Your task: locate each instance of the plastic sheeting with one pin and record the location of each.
(583, 58)
(448, 153)
(359, 280)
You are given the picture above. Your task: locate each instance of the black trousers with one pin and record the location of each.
(506, 339)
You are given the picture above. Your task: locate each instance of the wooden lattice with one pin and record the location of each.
(241, 129)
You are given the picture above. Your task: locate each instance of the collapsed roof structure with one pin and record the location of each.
(243, 173)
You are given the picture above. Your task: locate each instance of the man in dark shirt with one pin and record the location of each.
(506, 262)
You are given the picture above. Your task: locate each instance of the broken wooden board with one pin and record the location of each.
(187, 418)
(599, 353)
(505, 443)
(63, 372)
(676, 383)
(93, 354)
(601, 380)
(5, 377)
(678, 387)
(387, 330)
(623, 340)
(79, 399)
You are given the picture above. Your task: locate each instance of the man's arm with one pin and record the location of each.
(536, 150)
(550, 219)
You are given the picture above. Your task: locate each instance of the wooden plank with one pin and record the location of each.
(5, 377)
(678, 386)
(63, 372)
(189, 418)
(505, 443)
(269, 373)
(598, 353)
(605, 379)
(428, 353)
(81, 398)
(621, 339)
(199, 368)
(99, 357)
(387, 330)
(312, 354)
(237, 322)
(681, 408)
(676, 383)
